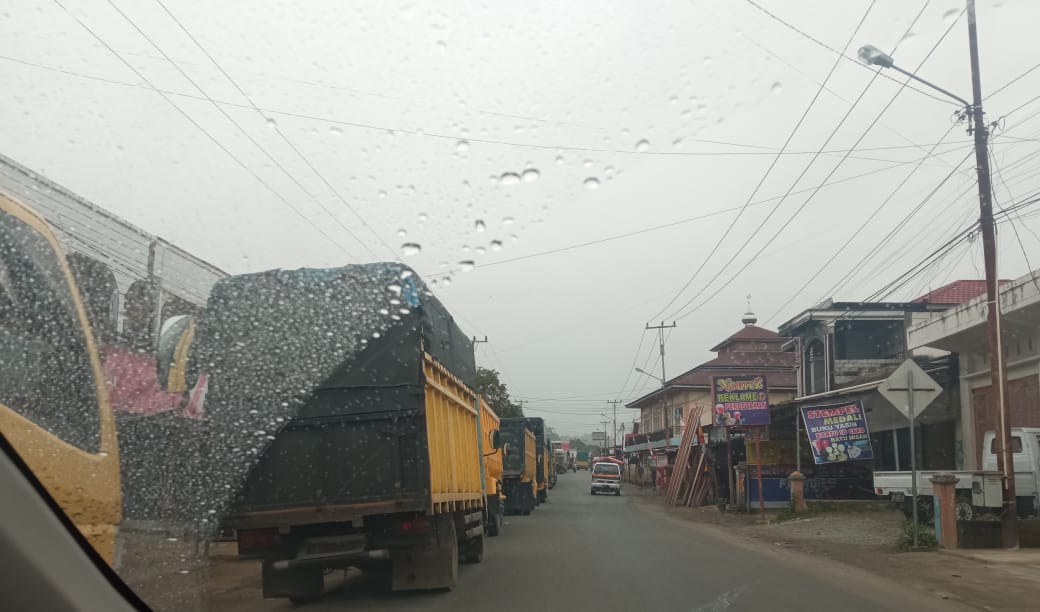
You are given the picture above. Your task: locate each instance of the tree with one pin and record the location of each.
(489, 385)
(578, 444)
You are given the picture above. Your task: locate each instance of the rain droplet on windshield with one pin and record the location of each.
(479, 225)
(402, 232)
(423, 217)
(592, 183)
(271, 123)
(531, 175)
(559, 160)
(496, 245)
(508, 220)
(462, 146)
(410, 248)
(776, 87)
(643, 145)
(335, 131)
(467, 265)
(509, 178)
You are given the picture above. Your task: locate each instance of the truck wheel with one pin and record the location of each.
(474, 549)
(495, 525)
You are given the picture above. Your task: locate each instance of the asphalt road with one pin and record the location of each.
(583, 552)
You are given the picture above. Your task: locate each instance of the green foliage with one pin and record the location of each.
(578, 445)
(925, 537)
(491, 387)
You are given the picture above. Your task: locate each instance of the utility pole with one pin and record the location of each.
(664, 378)
(604, 423)
(998, 379)
(613, 404)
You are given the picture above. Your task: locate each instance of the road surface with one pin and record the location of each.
(584, 552)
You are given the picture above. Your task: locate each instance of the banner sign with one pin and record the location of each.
(838, 432)
(740, 400)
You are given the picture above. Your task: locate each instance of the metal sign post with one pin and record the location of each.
(908, 389)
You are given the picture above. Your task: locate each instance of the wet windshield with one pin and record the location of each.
(321, 302)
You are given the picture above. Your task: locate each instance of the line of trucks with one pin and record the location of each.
(342, 427)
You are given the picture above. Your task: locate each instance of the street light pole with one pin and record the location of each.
(998, 371)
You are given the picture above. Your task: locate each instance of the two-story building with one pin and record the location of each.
(665, 411)
(962, 331)
(847, 349)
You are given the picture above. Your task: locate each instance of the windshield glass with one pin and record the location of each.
(312, 302)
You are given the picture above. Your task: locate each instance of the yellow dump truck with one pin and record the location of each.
(54, 407)
(370, 443)
(494, 497)
(520, 467)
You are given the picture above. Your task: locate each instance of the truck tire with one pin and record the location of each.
(474, 549)
(495, 525)
(963, 510)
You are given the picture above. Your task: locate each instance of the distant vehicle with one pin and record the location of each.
(560, 457)
(606, 477)
(581, 460)
(520, 467)
(544, 469)
(976, 493)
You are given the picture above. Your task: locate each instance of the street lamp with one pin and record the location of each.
(872, 56)
(875, 57)
(653, 376)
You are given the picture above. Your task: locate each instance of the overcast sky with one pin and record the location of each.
(459, 126)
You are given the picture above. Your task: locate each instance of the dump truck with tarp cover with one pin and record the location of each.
(344, 431)
(494, 496)
(537, 426)
(519, 467)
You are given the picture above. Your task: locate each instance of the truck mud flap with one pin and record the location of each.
(298, 584)
(434, 564)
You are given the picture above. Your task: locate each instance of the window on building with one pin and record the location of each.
(814, 369)
(868, 339)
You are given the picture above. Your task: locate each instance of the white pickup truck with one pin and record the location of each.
(978, 494)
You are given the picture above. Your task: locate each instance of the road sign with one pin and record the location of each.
(598, 436)
(910, 389)
(909, 376)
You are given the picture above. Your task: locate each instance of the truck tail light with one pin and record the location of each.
(256, 540)
(419, 524)
(879, 491)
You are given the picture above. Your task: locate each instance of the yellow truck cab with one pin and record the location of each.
(54, 407)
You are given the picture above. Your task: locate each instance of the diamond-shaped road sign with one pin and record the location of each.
(909, 376)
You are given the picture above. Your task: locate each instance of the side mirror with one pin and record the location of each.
(496, 439)
(171, 355)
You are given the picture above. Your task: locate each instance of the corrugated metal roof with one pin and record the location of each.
(86, 228)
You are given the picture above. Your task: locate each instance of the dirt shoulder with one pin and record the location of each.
(868, 541)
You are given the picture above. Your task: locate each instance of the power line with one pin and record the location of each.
(277, 130)
(202, 129)
(231, 119)
(762, 150)
(827, 261)
(842, 53)
(1011, 82)
(813, 194)
(769, 170)
(677, 222)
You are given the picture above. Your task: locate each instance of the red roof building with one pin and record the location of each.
(749, 350)
(957, 292)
